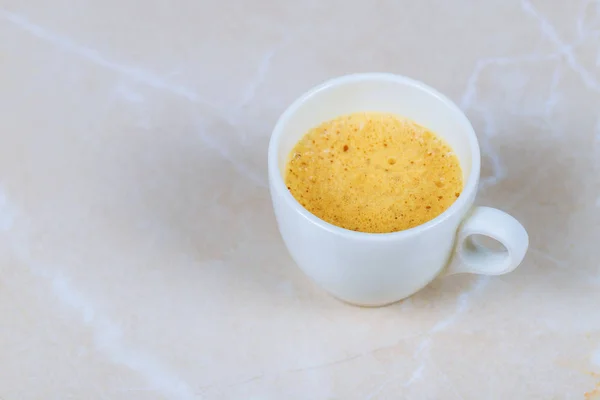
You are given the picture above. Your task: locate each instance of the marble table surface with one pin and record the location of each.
(139, 256)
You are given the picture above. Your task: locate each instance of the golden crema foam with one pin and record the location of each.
(373, 172)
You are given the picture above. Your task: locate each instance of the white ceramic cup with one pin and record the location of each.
(373, 269)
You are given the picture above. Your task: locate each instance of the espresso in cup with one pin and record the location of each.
(373, 269)
(373, 172)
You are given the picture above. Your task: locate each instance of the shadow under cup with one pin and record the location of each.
(371, 268)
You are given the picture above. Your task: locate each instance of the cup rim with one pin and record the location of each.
(277, 182)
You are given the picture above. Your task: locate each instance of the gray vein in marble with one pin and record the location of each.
(261, 74)
(554, 98)
(330, 363)
(549, 31)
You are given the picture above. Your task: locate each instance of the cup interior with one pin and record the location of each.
(379, 92)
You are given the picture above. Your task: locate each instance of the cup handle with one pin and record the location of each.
(472, 257)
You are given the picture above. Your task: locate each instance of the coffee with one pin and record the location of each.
(373, 172)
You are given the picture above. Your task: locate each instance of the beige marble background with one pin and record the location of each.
(139, 257)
